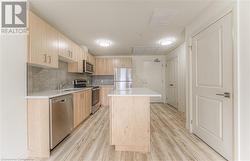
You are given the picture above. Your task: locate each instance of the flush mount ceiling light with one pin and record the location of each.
(166, 41)
(104, 42)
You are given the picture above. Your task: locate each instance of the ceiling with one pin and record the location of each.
(133, 26)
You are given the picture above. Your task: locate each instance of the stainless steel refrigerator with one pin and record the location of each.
(123, 78)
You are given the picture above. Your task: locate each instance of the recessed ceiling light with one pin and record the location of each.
(166, 41)
(104, 42)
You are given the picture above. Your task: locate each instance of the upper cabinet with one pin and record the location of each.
(77, 67)
(106, 65)
(90, 58)
(47, 45)
(43, 43)
(67, 49)
(122, 62)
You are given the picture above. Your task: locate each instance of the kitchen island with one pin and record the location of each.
(130, 119)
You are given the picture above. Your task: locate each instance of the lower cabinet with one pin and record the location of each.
(38, 128)
(82, 106)
(38, 116)
(104, 99)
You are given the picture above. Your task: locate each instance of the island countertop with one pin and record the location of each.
(135, 92)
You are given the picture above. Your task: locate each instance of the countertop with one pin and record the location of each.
(54, 93)
(135, 92)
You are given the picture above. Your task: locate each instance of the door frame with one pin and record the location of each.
(189, 103)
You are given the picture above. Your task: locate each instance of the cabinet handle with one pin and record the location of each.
(45, 58)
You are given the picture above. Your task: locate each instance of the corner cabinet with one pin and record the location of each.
(43, 43)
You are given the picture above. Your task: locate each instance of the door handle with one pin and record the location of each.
(225, 94)
(171, 85)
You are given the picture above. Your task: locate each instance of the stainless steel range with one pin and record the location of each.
(95, 99)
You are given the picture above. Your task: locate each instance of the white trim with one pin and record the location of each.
(235, 73)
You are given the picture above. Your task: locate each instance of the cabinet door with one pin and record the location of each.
(80, 59)
(88, 102)
(110, 66)
(104, 96)
(52, 46)
(37, 41)
(73, 49)
(77, 108)
(83, 105)
(123, 62)
(77, 67)
(100, 66)
(63, 45)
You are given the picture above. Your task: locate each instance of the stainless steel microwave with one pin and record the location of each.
(88, 67)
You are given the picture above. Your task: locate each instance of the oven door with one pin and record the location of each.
(95, 96)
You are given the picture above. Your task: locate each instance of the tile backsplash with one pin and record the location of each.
(41, 79)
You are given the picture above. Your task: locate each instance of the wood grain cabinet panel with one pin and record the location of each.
(104, 99)
(77, 67)
(43, 43)
(38, 128)
(122, 62)
(109, 66)
(106, 65)
(67, 50)
(82, 106)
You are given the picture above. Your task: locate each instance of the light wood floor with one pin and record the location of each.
(169, 140)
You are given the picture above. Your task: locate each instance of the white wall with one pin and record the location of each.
(138, 71)
(243, 28)
(180, 52)
(13, 91)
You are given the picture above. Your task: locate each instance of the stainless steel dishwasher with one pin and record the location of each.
(61, 118)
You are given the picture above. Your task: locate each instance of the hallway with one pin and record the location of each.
(169, 140)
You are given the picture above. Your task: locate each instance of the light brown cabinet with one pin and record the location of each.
(82, 106)
(130, 123)
(67, 51)
(47, 46)
(90, 58)
(122, 62)
(77, 67)
(43, 43)
(104, 99)
(106, 65)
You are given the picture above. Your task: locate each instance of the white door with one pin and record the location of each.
(212, 85)
(153, 78)
(172, 79)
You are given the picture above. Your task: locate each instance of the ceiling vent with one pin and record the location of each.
(162, 16)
